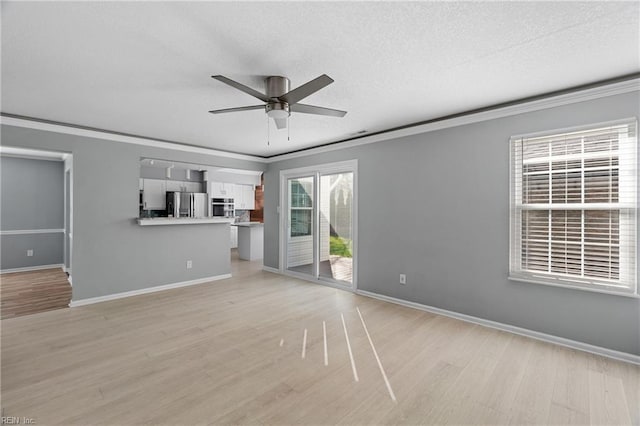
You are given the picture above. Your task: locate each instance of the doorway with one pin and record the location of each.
(36, 230)
(318, 223)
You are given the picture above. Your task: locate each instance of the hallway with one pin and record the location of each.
(25, 293)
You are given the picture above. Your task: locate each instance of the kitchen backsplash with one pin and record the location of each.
(243, 216)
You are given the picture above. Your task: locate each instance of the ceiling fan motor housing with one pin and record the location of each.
(277, 86)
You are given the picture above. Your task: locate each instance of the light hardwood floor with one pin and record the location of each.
(230, 352)
(26, 293)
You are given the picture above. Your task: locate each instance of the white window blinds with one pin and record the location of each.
(573, 208)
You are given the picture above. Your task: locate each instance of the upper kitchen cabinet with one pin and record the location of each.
(154, 194)
(245, 198)
(223, 190)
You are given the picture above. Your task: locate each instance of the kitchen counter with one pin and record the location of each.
(250, 240)
(247, 224)
(153, 221)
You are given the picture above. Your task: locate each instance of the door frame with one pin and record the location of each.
(68, 217)
(349, 166)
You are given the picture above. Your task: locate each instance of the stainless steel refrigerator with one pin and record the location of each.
(187, 204)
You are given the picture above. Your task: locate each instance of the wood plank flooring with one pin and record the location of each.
(25, 293)
(230, 352)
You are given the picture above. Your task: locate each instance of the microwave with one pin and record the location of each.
(222, 207)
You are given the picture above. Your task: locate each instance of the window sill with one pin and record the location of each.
(574, 287)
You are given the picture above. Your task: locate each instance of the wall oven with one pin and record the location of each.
(222, 207)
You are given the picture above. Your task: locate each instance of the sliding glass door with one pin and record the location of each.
(336, 227)
(319, 236)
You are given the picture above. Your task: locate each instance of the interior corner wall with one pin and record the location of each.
(435, 206)
(32, 206)
(111, 252)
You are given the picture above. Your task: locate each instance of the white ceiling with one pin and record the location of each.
(144, 68)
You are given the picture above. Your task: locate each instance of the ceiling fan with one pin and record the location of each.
(279, 101)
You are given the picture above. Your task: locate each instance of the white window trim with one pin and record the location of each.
(554, 280)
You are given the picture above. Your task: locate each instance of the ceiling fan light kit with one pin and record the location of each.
(280, 101)
(277, 109)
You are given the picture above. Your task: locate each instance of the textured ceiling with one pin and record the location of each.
(144, 68)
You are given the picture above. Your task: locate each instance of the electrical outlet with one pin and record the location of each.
(403, 279)
(30, 252)
(189, 264)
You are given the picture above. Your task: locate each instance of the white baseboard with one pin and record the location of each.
(610, 353)
(306, 277)
(92, 300)
(270, 269)
(31, 268)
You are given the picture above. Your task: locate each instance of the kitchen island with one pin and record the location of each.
(250, 240)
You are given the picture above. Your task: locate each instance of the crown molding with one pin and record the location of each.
(117, 137)
(485, 114)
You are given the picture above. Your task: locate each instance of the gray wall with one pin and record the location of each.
(31, 198)
(32, 193)
(111, 253)
(48, 249)
(435, 206)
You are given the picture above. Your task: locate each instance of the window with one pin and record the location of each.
(301, 206)
(573, 208)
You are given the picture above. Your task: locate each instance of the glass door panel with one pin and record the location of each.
(301, 224)
(336, 227)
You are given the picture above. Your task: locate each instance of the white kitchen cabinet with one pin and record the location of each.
(245, 197)
(154, 194)
(223, 190)
(234, 237)
(215, 189)
(239, 199)
(250, 197)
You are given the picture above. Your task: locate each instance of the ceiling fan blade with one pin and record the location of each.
(281, 123)
(311, 109)
(299, 93)
(247, 108)
(246, 89)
